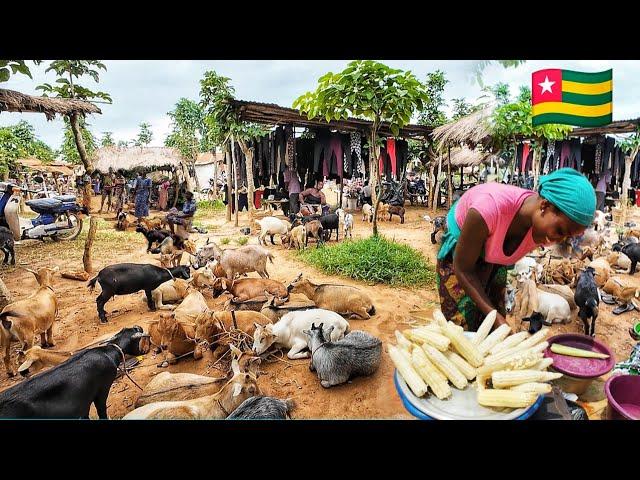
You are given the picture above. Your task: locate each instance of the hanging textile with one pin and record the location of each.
(355, 147)
(609, 145)
(575, 156)
(588, 154)
(548, 163)
(402, 154)
(335, 145)
(525, 156)
(598, 159)
(564, 154)
(391, 151)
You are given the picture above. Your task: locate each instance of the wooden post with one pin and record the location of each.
(462, 175)
(227, 156)
(86, 258)
(436, 194)
(341, 192)
(215, 176)
(450, 179)
(235, 177)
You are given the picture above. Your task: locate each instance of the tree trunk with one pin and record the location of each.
(626, 182)
(86, 258)
(235, 178)
(192, 185)
(432, 184)
(77, 136)
(436, 193)
(227, 156)
(215, 177)
(248, 153)
(375, 175)
(450, 201)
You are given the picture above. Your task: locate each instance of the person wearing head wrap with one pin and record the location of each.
(494, 225)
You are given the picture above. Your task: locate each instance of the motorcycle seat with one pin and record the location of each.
(66, 198)
(44, 204)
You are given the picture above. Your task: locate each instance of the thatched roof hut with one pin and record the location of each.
(472, 130)
(12, 101)
(466, 157)
(133, 157)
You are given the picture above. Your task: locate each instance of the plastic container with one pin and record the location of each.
(623, 395)
(579, 372)
(636, 328)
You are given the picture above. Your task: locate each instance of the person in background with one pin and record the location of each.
(107, 190)
(141, 191)
(163, 194)
(601, 189)
(96, 183)
(313, 198)
(366, 193)
(175, 217)
(119, 191)
(293, 187)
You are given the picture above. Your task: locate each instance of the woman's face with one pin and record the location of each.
(552, 226)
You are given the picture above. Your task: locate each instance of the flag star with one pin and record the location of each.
(546, 85)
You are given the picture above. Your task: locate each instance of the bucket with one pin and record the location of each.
(623, 395)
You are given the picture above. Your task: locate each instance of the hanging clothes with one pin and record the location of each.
(598, 159)
(609, 145)
(320, 152)
(336, 155)
(402, 154)
(564, 154)
(588, 154)
(575, 156)
(525, 156)
(548, 163)
(355, 147)
(391, 151)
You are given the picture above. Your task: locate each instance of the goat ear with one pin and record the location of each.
(235, 366)
(25, 366)
(6, 324)
(31, 271)
(307, 332)
(257, 325)
(237, 389)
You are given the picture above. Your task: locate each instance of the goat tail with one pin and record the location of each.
(92, 283)
(372, 310)
(592, 303)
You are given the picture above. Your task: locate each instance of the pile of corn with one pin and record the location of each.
(509, 370)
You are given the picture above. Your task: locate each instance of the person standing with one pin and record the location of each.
(293, 187)
(601, 189)
(107, 190)
(118, 191)
(163, 194)
(141, 191)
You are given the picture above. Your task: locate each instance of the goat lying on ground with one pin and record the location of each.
(153, 236)
(631, 250)
(154, 222)
(173, 291)
(36, 358)
(23, 319)
(7, 246)
(343, 299)
(602, 270)
(123, 223)
(5, 295)
(530, 299)
(126, 278)
(175, 338)
(246, 288)
(263, 408)
(69, 389)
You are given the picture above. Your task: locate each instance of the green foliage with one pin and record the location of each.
(123, 144)
(631, 144)
(431, 114)
(19, 141)
(216, 94)
(461, 108)
(188, 129)
(66, 87)
(69, 149)
(12, 67)
(366, 89)
(500, 91)
(145, 136)
(479, 67)
(107, 139)
(225, 241)
(209, 206)
(374, 259)
(242, 240)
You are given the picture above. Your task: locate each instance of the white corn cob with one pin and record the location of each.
(485, 327)
(432, 338)
(467, 370)
(539, 348)
(432, 327)
(408, 373)
(463, 345)
(510, 342)
(430, 374)
(533, 387)
(510, 352)
(498, 335)
(543, 364)
(510, 378)
(520, 362)
(535, 338)
(402, 341)
(443, 364)
(439, 318)
(505, 398)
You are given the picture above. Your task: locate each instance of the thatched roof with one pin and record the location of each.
(37, 165)
(465, 157)
(207, 158)
(133, 157)
(12, 101)
(472, 129)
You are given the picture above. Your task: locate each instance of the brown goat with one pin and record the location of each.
(314, 230)
(23, 319)
(245, 288)
(396, 210)
(172, 336)
(36, 358)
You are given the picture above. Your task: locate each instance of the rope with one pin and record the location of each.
(124, 365)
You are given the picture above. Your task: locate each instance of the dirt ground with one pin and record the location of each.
(371, 397)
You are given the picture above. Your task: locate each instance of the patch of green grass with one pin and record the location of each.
(375, 259)
(208, 207)
(225, 241)
(242, 240)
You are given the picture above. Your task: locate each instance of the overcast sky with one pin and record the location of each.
(145, 90)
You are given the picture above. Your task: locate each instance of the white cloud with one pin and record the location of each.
(145, 90)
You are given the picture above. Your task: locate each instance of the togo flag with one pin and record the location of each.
(572, 98)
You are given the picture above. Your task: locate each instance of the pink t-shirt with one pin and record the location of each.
(498, 205)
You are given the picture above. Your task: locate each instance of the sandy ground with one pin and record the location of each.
(371, 397)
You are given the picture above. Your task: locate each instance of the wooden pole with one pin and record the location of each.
(235, 177)
(450, 179)
(227, 156)
(86, 258)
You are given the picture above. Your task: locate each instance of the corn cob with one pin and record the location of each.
(520, 362)
(543, 364)
(575, 352)
(430, 374)
(539, 348)
(513, 351)
(463, 345)
(439, 318)
(402, 341)
(432, 327)
(505, 398)
(535, 338)
(432, 338)
(498, 335)
(533, 387)
(510, 378)
(443, 364)
(467, 370)
(485, 327)
(408, 373)
(510, 342)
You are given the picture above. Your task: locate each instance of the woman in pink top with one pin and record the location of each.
(493, 226)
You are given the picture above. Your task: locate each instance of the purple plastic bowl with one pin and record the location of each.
(623, 394)
(579, 367)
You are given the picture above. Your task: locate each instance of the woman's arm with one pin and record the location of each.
(468, 249)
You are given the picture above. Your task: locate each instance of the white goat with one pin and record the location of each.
(599, 220)
(530, 299)
(525, 267)
(367, 213)
(347, 221)
(288, 332)
(272, 226)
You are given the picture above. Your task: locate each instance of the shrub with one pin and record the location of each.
(375, 259)
(242, 240)
(225, 241)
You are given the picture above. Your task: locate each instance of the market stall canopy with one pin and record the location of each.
(620, 126)
(38, 166)
(271, 114)
(473, 129)
(466, 157)
(12, 101)
(131, 158)
(208, 158)
(32, 162)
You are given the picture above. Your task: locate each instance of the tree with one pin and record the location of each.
(188, 128)
(461, 108)
(16, 66)
(123, 144)
(630, 146)
(67, 71)
(432, 114)
(69, 148)
(19, 141)
(371, 90)
(224, 126)
(107, 139)
(500, 92)
(479, 67)
(145, 136)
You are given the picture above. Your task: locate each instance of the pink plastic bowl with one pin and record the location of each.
(623, 394)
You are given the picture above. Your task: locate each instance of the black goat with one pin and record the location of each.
(7, 245)
(153, 236)
(587, 299)
(536, 320)
(439, 223)
(631, 250)
(125, 278)
(329, 223)
(68, 390)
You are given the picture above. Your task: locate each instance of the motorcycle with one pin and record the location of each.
(59, 217)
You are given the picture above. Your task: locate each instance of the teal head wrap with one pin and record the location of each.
(571, 193)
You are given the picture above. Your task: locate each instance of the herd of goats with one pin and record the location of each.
(256, 317)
